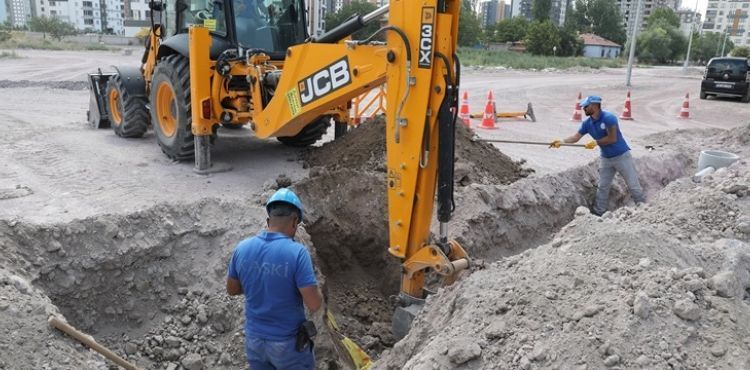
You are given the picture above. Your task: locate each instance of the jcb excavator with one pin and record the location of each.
(222, 67)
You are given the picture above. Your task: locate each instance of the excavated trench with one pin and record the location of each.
(151, 284)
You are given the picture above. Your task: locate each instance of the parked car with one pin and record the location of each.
(727, 77)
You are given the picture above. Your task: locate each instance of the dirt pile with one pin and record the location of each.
(665, 285)
(149, 285)
(347, 220)
(364, 148)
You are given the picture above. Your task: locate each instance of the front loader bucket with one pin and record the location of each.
(97, 114)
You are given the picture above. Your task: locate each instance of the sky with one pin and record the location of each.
(690, 4)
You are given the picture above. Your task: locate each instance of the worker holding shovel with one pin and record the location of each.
(602, 126)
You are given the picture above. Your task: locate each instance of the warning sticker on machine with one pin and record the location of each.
(295, 106)
(210, 24)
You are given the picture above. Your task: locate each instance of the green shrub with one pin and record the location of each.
(510, 59)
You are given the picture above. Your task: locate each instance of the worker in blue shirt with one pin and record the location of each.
(615, 153)
(276, 275)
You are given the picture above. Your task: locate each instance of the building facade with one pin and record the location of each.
(19, 12)
(558, 10)
(487, 13)
(595, 46)
(628, 9)
(689, 20)
(730, 18)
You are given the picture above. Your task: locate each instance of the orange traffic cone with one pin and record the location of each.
(489, 117)
(685, 111)
(627, 113)
(463, 111)
(577, 112)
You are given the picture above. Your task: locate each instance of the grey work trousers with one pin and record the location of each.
(623, 164)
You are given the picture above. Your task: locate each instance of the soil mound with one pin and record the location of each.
(363, 148)
(665, 285)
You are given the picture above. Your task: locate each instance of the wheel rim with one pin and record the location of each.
(114, 107)
(166, 109)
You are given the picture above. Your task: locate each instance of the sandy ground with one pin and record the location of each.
(73, 171)
(58, 171)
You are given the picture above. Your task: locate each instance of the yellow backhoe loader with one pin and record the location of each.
(217, 66)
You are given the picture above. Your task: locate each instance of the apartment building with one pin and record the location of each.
(689, 20)
(19, 12)
(558, 10)
(729, 17)
(628, 9)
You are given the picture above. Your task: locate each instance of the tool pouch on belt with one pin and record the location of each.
(305, 334)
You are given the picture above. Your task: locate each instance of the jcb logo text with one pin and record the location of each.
(325, 81)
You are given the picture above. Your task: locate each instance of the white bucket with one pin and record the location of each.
(716, 159)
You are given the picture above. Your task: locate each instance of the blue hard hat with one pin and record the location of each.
(591, 99)
(286, 196)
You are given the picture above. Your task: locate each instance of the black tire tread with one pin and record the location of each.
(309, 135)
(184, 146)
(135, 117)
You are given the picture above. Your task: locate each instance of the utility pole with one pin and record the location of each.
(724, 45)
(690, 40)
(633, 37)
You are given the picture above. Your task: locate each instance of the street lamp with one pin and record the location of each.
(554, 51)
(690, 40)
(633, 36)
(724, 45)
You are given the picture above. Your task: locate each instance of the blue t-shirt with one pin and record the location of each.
(598, 130)
(271, 268)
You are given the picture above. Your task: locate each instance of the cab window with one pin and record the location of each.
(206, 13)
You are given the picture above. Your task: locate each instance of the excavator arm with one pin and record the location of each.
(419, 65)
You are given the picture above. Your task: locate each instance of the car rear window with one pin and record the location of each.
(733, 67)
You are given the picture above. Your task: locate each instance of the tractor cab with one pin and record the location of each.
(270, 26)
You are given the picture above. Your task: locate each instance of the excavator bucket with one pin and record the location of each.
(97, 113)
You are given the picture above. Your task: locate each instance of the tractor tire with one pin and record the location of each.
(309, 135)
(127, 114)
(171, 113)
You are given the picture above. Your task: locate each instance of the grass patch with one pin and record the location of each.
(509, 59)
(20, 41)
(9, 55)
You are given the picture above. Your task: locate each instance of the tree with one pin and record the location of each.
(346, 12)
(540, 10)
(709, 45)
(513, 29)
(541, 38)
(55, 27)
(663, 17)
(62, 29)
(653, 45)
(600, 17)
(741, 51)
(469, 29)
(662, 42)
(570, 43)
